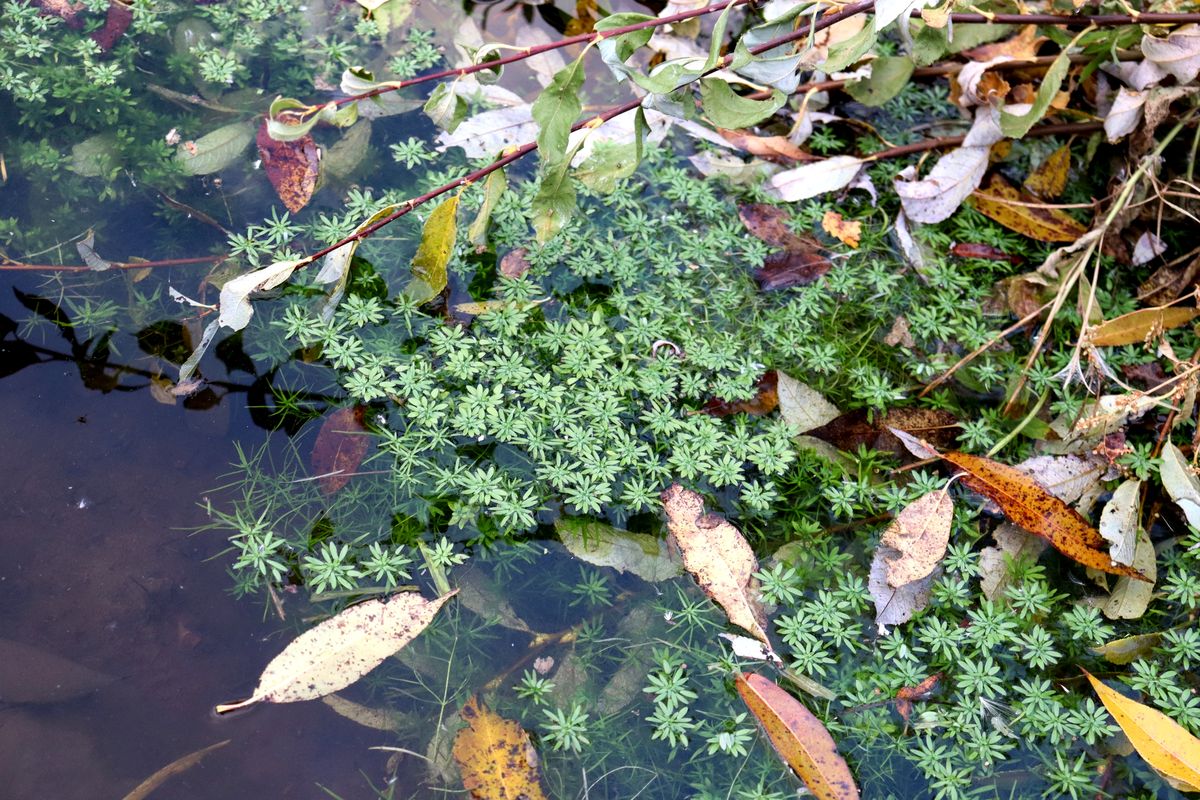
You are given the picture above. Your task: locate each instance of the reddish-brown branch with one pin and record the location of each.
(16, 266)
(1076, 20)
(1064, 129)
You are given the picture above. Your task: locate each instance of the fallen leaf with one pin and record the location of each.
(215, 150)
(87, 251)
(1140, 326)
(1181, 484)
(1119, 521)
(291, 167)
(433, 254)
(799, 738)
(478, 593)
(858, 427)
(1177, 55)
(948, 184)
(847, 231)
(984, 251)
(1022, 47)
(1147, 248)
(1165, 745)
(514, 264)
(894, 605)
(900, 334)
(337, 652)
(774, 148)
(803, 407)
(1073, 479)
(1129, 599)
(495, 756)
(753, 649)
(236, 310)
(765, 400)
(906, 695)
(1130, 648)
(602, 545)
(377, 719)
(1025, 502)
(918, 536)
(1013, 545)
(1125, 114)
(770, 224)
(1049, 179)
(143, 789)
(810, 180)
(999, 200)
(718, 557)
(487, 134)
(339, 449)
(29, 674)
(789, 268)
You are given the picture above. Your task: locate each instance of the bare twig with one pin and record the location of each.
(18, 266)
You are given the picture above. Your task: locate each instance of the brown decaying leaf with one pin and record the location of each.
(772, 148)
(924, 690)
(1141, 325)
(495, 756)
(143, 789)
(1049, 179)
(1165, 745)
(983, 251)
(335, 653)
(799, 738)
(1023, 46)
(765, 400)
(514, 263)
(846, 231)
(799, 263)
(120, 15)
(1026, 503)
(919, 535)
(340, 447)
(998, 200)
(770, 223)
(29, 674)
(291, 167)
(855, 428)
(718, 557)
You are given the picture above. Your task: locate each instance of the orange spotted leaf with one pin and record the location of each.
(340, 447)
(799, 738)
(291, 167)
(1028, 504)
(495, 756)
(1020, 211)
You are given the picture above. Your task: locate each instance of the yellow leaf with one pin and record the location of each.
(918, 535)
(337, 652)
(1165, 744)
(1004, 203)
(718, 557)
(496, 758)
(799, 738)
(147, 786)
(1050, 178)
(433, 254)
(1139, 326)
(847, 231)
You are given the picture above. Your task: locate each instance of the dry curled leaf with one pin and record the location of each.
(907, 695)
(1141, 325)
(335, 653)
(339, 449)
(847, 231)
(799, 738)
(772, 148)
(718, 557)
(999, 200)
(918, 535)
(495, 756)
(291, 167)
(1165, 745)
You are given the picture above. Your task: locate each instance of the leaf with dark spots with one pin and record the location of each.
(291, 167)
(983, 251)
(1020, 211)
(495, 756)
(765, 400)
(340, 447)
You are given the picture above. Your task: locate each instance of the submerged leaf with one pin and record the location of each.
(1129, 598)
(340, 447)
(803, 407)
(495, 756)
(894, 605)
(29, 674)
(718, 556)
(605, 546)
(216, 150)
(799, 738)
(291, 166)
(143, 789)
(337, 652)
(1167, 747)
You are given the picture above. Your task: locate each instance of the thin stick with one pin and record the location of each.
(17, 266)
(1062, 129)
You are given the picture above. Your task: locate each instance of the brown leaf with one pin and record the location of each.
(1168, 282)
(854, 428)
(789, 268)
(983, 251)
(1141, 326)
(847, 231)
(143, 789)
(1050, 178)
(769, 223)
(918, 535)
(66, 11)
(718, 557)
(1026, 503)
(772, 148)
(497, 760)
(514, 263)
(291, 167)
(120, 15)
(799, 738)
(1023, 46)
(999, 200)
(765, 400)
(906, 695)
(340, 447)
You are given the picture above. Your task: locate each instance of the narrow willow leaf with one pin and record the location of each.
(216, 150)
(605, 546)
(810, 180)
(377, 719)
(1167, 747)
(554, 202)
(344, 156)
(1140, 326)
(799, 738)
(493, 189)
(949, 183)
(555, 111)
(337, 652)
(335, 267)
(845, 53)
(235, 294)
(1016, 126)
(1019, 211)
(188, 367)
(146, 787)
(726, 109)
(889, 74)
(289, 128)
(481, 595)
(495, 756)
(718, 557)
(433, 255)
(616, 50)
(357, 80)
(29, 674)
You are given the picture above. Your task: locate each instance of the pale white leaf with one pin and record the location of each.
(985, 130)
(1125, 114)
(894, 606)
(745, 647)
(802, 406)
(1148, 247)
(811, 180)
(1119, 521)
(187, 368)
(722, 165)
(1180, 482)
(486, 134)
(1177, 55)
(948, 184)
(1130, 598)
(235, 303)
(1012, 544)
